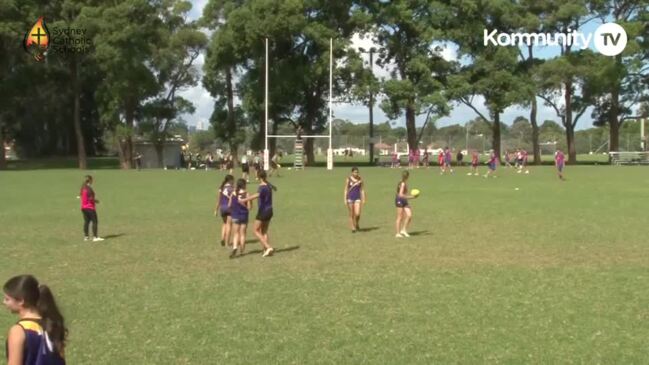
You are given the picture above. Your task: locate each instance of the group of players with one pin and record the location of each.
(444, 161)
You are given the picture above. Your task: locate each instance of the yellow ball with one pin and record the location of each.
(415, 192)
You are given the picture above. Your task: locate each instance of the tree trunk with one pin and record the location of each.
(3, 158)
(76, 90)
(535, 133)
(411, 131)
(495, 143)
(159, 151)
(570, 128)
(127, 140)
(231, 121)
(570, 140)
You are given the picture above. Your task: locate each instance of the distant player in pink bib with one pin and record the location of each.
(559, 163)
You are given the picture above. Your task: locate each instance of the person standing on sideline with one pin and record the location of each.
(559, 162)
(404, 212)
(89, 209)
(38, 338)
(354, 198)
(264, 212)
(459, 158)
(245, 168)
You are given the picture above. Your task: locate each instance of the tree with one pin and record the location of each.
(173, 64)
(406, 32)
(492, 73)
(621, 80)
(126, 38)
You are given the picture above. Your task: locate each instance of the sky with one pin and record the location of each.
(460, 113)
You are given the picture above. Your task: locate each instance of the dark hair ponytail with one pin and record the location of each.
(53, 322)
(86, 180)
(39, 298)
(227, 179)
(241, 184)
(263, 177)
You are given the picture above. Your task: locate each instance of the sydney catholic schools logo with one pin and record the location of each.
(38, 41)
(609, 39)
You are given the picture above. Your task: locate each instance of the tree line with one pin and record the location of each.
(143, 53)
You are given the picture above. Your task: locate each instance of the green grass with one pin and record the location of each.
(555, 272)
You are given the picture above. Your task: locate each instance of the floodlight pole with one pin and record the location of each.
(266, 153)
(330, 162)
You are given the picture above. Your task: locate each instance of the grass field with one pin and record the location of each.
(555, 272)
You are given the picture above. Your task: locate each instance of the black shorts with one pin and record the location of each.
(245, 168)
(224, 215)
(265, 216)
(229, 165)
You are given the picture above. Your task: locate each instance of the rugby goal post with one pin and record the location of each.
(330, 155)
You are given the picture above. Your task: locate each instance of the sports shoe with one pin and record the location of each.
(233, 252)
(398, 235)
(268, 252)
(86, 238)
(405, 234)
(222, 243)
(97, 239)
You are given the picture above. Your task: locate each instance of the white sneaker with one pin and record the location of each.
(86, 238)
(268, 252)
(398, 235)
(97, 239)
(405, 234)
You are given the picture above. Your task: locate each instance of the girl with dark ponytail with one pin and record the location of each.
(38, 338)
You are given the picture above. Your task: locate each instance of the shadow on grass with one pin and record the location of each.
(368, 229)
(114, 235)
(276, 251)
(420, 233)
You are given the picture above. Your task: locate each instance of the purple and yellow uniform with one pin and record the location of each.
(559, 160)
(354, 190)
(37, 352)
(399, 201)
(239, 210)
(492, 162)
(265, 210)
(224, 199)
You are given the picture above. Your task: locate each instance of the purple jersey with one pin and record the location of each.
(354, 189)
(559, 158)
(38, 349)
(399, 201)
(265, 198)
(239, 210)
(224, 197)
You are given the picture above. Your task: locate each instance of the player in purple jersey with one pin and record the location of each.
(354, 198)
(404, 212)
(239, 209)
(493, 161)
(559, 162)
(264, 212)
(39, 336)
(223, 208)
(447, 160)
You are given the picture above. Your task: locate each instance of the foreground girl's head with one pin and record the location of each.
(24, 293)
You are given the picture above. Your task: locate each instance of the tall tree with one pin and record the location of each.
(127, 36)
(491, 73)
(406, 32)
(620, 86)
